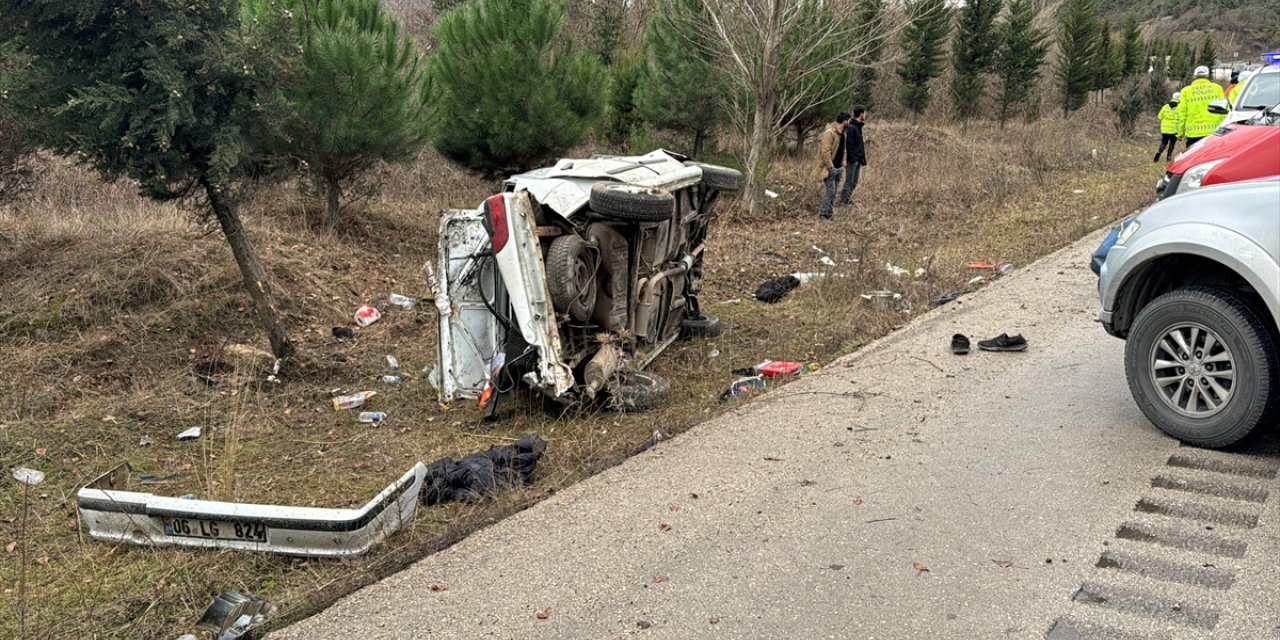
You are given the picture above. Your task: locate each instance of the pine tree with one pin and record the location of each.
(973, 53)
(816, 100)
(1157, 87)
(620, 116)
(681, 89)
(1180, 61)
(1020, 56)
(1078, 29)
(1208, 56)
(1128, 105)
(16, 143)
(869, 17)
(358, 96)
(1102, 60)
(922, 40)
(513, 92)
(173, 94)
(1132, 47)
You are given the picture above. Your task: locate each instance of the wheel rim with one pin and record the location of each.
(583, 275)
(1193, 370)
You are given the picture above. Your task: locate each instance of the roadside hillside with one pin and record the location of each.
(123, 323)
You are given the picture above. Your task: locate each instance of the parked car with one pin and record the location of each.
(574, 278)
(1192, 284)
(1241, 151)
(1259, 92)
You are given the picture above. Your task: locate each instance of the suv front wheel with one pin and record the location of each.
(1202, 366)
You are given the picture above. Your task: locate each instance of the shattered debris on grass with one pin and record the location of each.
(367, 315)
(29, 477)
(232, 615)
(190, 434)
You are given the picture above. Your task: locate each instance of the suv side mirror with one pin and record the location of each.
(1220, 107)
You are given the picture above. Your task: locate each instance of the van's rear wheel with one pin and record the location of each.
(571, 272)
(632, 203)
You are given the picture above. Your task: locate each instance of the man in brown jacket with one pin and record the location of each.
(829, 162)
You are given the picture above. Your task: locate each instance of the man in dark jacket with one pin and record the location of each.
(855, 153)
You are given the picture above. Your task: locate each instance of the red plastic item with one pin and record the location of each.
(775, 369)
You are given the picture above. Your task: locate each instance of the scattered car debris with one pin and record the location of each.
(480, 474)
(745, 386)
(649, 444)
(981, 264)
(945, 298)
(146, 441)
(919, 272)
(883, 294)
(392, 363)
(29, 477)
(976, 279)
(353, 400)
(827, 261)
(819, 249)
(1005, 268)
(372, 416)
(392, 379)
(1079, 191)
(771, 193)
(231, 615)
(148, 478)
(895, 270)
(115, 513)
(190, 434)
(404, 302)
(775, 369)
(344, 333)
(367, 315)
(715, 353)
(733, 301)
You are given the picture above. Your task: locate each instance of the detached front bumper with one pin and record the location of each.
(116, 514)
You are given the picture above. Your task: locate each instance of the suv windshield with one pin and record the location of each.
(1260, 92)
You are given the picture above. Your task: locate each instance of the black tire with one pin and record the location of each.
(1239, 331)
(632, 203)
(571, 277)
(704, 326)
(718, 177)
(640, 391)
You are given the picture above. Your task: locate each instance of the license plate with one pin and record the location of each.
(223, 530)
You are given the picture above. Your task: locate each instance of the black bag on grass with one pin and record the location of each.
(482, 473)
(776, 289)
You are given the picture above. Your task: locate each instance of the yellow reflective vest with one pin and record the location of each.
(1235, 92)
(1197, 122)
(1170, 118)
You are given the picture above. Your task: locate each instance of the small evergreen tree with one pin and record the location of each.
(681, 89)
(513, 91)
(1078, 29)
(171, 93)
(1131, 45)
(1208, 56)
(1020, 56)
(1180, 61)
(1103, 78)
(606, 21)
(869, 17)
(816, 99)
(16, 143)
(358, 96)
(1157, 87)
(1128, 105)
(620, 116)
(922, 40)
(973, 53)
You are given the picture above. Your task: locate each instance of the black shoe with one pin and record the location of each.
(959, 344)
(1003, 342)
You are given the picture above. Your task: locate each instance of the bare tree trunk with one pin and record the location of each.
(800, 136)
(766, 95)
(332, 192)
(699, 138)
(227, 212)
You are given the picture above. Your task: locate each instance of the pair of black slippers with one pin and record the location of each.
(1002, 342)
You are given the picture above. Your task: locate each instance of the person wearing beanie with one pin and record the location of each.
(1193, 107)
(1170, 122)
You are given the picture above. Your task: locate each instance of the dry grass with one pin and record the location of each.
(116, 316)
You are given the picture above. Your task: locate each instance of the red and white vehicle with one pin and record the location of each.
(574, 278)
(1236, 152)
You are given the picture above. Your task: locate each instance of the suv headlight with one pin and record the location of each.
(1127, 229)
(1195, 175)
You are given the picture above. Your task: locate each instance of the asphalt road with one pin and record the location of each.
(902, 492)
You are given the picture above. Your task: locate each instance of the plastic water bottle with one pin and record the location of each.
(353, 400)
(392, 379)
(372, 416)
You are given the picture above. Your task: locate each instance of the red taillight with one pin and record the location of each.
(498, 233)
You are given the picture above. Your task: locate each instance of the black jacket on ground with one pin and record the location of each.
(854, 149)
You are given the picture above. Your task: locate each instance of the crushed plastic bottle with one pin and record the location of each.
(353, 400)
(404, 302)
(746, 386)
(392, 379)
(372, 416)
(392, 363)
